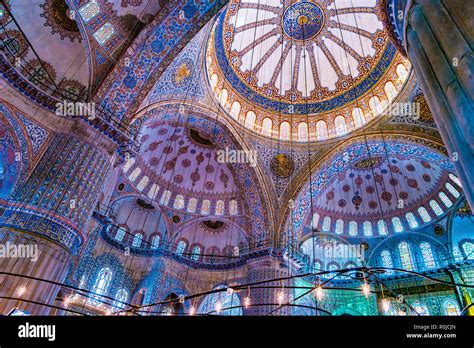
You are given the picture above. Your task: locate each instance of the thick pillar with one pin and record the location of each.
(50, 212)
(438, 40)
(266, 300)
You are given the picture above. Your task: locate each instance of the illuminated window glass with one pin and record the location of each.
(192, 203)
(451, 189)
(137, 240)
(267, 126)
(387, 260)
(405, 256)
(411, 220)
(120, 296)
(315, 221)
(229, 304)
(339, 226)
(128, 165)
(155, 242)
(424, 214)
(358, 116)
(353, 228)
(250, 119)
(436, 208)
(206, 207)
(89, 10)
(285, 131)
(235, 110)
(382, 227)
(420, 308)
(451, 308)
(397, 224)
(340, 124)
(181, 247)
(153, 191)
(402, 72)
(220, 208)
(326, 223)
(120, 234)
(233, 209)
(455, 179)
(165, 197)
(427, 254)
(468, 249)
(303, 131)
(367, 226)
(179, 202)
(457, 254)
(104, 33)
(321, 130)
(101, 285)
(195, 253)
(134, 175)
(142, 184)
(446, 201)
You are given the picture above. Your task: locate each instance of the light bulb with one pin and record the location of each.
(192, 310)
(21, 291)
(319, 293)
(281, 297)
(247, 302)
(218, 307)
(366, 289)
(385, 305)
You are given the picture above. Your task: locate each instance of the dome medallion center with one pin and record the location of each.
(303, 20)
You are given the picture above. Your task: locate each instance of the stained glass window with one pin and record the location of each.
(267, 126)
(89, 10)
(353, 228)
(303, 131)
(104, 33)
(229, 303)
(128, 165)
(181, 247)
(315, 221)
(220, 208)
(101, 285)
(451, 189)
(382, 227)
(451, 308)
(427, 254)
(134, 175)
(455, 179)
(420, 308)
(436, 208)
(387, 260)
(405, 256)
(326, 223)
(340, 124)
(233, 210)
(397, 224)
(250, 119)
(424, 214)
(153, 191)
(192, 203)
(411, 220)
(195, 253)
(179, 202)
(206, 207)
(468, 249)
(358, 117)
(285, 131)
(120, 234)
(446, 201)
(367, 228)
(137, 240)
(142, 183)
(120, 296)
(165, 197)
(321, 130)
(339, 226)
(155, 242)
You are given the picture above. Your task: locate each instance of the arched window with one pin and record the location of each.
(221, 303)
(206, 207)
(220, 208)
(181, 247)
(455, 179)
(452, 190)
(326, 223)
(315, 221)
(397, 224)
(402, 72)
(451, 308)
(303, 131)
(120, 296)
(137, 240)
(267, 127)
(390, 90)
(457, 254)
(358, 116)
(214, 80)
(285, 131)
(340, 125)
(420, 308)
(250, 119)
(375, 105)
(446, 201)
(367, 226)
(405, 256)
(134, 175)
(427, 254)
(235, 110)
(196, 252)
(179, 202)
(436, 208)
(387, 260)
(192, 203)
(165, 197)
(128, 165)
(382, 227)
(339, 226)
(233, 209)
(224, 96)
(468, 248)
(353, 228)
(101, 285)
(321, 130)
(155, 241)
(142, 183)
(120, 234)
(424, 214)
(411, 220)
(153, 191)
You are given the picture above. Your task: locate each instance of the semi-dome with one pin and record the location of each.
(303, 69)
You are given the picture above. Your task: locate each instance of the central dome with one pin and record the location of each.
(282, 61)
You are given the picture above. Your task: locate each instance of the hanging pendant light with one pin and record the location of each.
(366, 289)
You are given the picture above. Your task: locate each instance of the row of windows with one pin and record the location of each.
(89, 11)
(101, 288)
(406, 257)
(397, 225)
(179, 201)
(341, 127)
(450, 308)
(197, 250)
